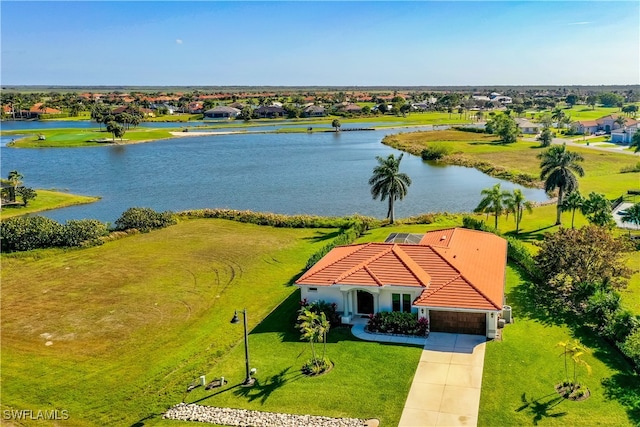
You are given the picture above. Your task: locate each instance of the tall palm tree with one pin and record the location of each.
(557, 170)
(494, 201)
(517, 204)
(15, 178)
(573, 202)
(387, 182)
(558, 115)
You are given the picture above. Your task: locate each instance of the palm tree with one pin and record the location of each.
(573, 202)
(15, 178)
(597, 209)
(557, 170)
(517, 204)
(635, 141)
(388, 182)
(558, 115)
(314, 328)
(494, 201)
(632, 215)
(336, 124)
(620, 120)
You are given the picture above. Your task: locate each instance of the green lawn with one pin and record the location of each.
(56, 138)
(361, 384)
(521, 370)
(46, 200)
(134, 321)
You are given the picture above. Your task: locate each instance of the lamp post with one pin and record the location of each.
(248, 381)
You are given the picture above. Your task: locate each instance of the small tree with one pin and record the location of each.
(546, 136)
(517, 204)
(314, 328)
(494, 202)
(336, 124)
(573, 202)
(573, 350)
(505, 127)
(632, 215)
(597, 209)
(27, 194)
(635, 141)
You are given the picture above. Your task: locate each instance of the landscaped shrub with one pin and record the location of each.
(144, 219)
(27, 233)
(81, 232)
(469, 129)
(518, 253)
(329, 310)
(395, 322)
(631, 347)
(435, 151)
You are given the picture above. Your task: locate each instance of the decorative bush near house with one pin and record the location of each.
(395, 322)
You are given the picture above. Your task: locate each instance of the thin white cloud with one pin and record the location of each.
(580, 23)
(178, 41)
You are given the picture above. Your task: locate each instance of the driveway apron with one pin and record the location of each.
(446, 386)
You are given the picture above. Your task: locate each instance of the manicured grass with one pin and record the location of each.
(521, 370)
(175, 118)
(46, 200)
(602, 169)
(368, 380)
(134, 321)
(56, 138)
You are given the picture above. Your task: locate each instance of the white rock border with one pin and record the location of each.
(248, 418)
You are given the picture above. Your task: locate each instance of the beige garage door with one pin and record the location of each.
(461, 323)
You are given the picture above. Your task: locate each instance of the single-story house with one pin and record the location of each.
(586, 126)
(352, 108)
(37, 110)
(454, 277)
(195, 107)
(624, 135)
(605, 124)
(146, 112)
(221, 112)
(527, 127)
(270, 111)
(314, 111)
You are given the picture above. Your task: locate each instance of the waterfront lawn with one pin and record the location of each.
(56, 138)
(134, 321)
(521, 370)
(602, 168)
(361, 384)
(46, 200)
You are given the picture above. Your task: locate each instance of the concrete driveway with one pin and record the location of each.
(446, 386)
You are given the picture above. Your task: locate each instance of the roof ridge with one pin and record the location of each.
(356, 247)
(372, 274)
(363, 263)
(412, 266)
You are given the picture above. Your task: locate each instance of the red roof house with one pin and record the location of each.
(453, 277)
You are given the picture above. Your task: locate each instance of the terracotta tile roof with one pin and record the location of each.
(588, 122)
(458, 268)
(47, 110)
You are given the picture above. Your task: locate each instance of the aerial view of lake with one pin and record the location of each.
(317, 173)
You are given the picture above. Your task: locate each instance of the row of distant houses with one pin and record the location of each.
(619, 133)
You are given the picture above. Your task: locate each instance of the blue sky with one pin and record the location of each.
(320, 43)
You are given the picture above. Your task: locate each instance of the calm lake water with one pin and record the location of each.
(320, 173)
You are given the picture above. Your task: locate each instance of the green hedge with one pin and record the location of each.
(38, 232)
(144, 220)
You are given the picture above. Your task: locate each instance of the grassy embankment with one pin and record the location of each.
(46, 200)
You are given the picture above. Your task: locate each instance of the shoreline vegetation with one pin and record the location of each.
(45, 201)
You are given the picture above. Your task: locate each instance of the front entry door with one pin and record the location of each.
(365, 302)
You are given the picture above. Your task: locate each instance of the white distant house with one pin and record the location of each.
(527, 127)
(222, 112)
